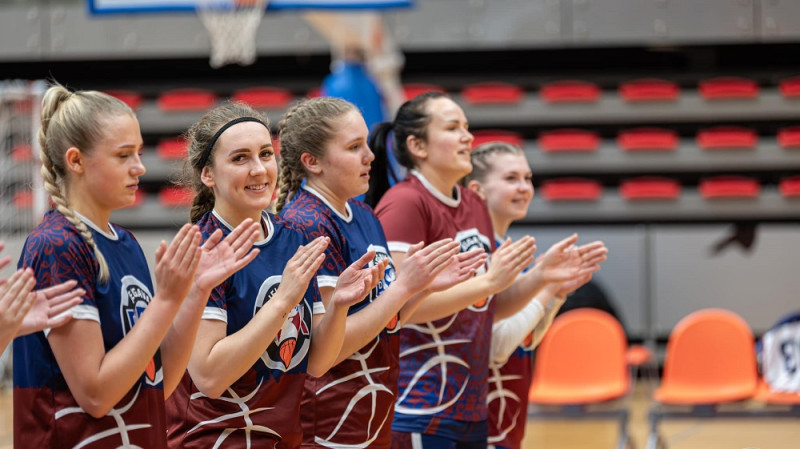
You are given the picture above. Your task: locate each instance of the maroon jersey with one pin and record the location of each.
(352, 404)
(261, 408)
(443, 363)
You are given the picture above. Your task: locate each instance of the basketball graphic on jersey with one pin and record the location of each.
(292, 342)
(469, 240)
(134, 298)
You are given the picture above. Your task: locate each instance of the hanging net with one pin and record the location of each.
(232, 27)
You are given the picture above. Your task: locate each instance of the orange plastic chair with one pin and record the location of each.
(582, 360)
(710, 360)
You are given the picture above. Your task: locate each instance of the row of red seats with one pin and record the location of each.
(639, 90)
(562, 140)
(642, 139)
(660, 188)
(561, 189)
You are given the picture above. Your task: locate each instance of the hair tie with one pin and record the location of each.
(207, 152)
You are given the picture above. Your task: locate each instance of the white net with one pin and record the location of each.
(22, 197)
(232, 27)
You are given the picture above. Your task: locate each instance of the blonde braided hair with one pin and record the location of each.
(73, 119)
(305, 128)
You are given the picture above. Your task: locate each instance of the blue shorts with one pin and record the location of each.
(443, 434)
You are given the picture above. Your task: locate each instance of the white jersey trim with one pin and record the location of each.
(446, 200)
(109, 235)
(80, 312)
(270, 229)
(327, 281)
(398, 247)
(348, 218)
(215, 313)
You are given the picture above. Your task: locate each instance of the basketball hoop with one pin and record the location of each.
(232, 27)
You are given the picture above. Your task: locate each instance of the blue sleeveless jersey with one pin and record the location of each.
(352, 404)
(45, 412)
(262, 407)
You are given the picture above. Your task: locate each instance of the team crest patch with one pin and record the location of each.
(469, 240)
(389, 276)
(291, 345)
(134, 298)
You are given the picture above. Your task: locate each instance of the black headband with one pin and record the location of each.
(207, 153)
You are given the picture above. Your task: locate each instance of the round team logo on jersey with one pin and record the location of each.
(291, 345)
(469, 240)
(389, 276)
(134, 298)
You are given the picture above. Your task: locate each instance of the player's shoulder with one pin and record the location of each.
(55, 229)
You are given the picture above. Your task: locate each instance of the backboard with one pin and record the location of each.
(99, 7)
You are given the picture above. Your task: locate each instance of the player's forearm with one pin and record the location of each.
(326, 341)
(217, 366)
(518, 294)
(363, 326)
(459, 297)
(176, 348)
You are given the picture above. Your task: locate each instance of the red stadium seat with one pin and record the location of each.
(649, 89)
(649, 188)
(727, 138)
(140, 197)
(789, 137)
(790, 187)
(647, 139)
(571, 189)
(563, 140)
(174, 196)
(729, 187)
(314, 93)
(492, 93)
(132, 99)
(570, 91)
(264, 97)
(23, 200)
(496, 135)
(728, 88)
(411, 90)
(790, 87)
(186, 100)
(22, 153)
(174, 148)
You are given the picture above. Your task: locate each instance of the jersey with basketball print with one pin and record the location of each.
(352, 404)
(509, 383)
(443, 363)
(260, 409)
(780, 354)
(507, 400)
(45, 412)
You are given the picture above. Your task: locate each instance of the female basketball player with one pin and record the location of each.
(260, 333)
(101, 379)
(324, 141)
(502, 177)
(444, 362)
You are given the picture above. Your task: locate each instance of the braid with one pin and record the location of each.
(202, 202)
(73, 120)
(289, 182)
